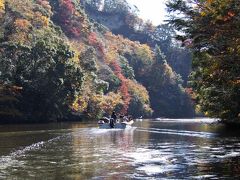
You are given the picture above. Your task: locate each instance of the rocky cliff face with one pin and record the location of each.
(112, 21)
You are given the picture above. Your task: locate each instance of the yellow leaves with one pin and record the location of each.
(144, 52)
(198, 109)
(20, 37)
(76, 56)
(203, 13)
(80, 104)
(44, 20)
(110, 101)
(237, 82)
(119, 43)
(106, 103)
(40, 20)
(2, 5)
(111, 55)
(219, 12)
(138, 90)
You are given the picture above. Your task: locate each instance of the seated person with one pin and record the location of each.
(125, 119)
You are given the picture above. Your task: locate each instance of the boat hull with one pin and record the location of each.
(122, 125)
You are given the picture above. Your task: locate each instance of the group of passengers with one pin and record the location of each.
(122, 118)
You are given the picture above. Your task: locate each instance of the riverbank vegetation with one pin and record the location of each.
(211, 29)
(59, 62)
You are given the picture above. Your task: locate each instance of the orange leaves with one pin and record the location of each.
(231, 13)
(22, 28)
(22, 24)
(229, 16)
(237, 82)
(209, 1)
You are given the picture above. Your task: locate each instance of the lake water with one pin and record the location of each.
(151, 149)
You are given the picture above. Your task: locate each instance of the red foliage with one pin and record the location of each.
(76, 32)
(117, 68)
(67, 7)
(66, 11)
(191, 93)
(93, 40)
(126, 97)
(71, 21)
(124, 88)
(101, 49)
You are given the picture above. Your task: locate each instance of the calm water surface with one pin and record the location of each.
(152, 149)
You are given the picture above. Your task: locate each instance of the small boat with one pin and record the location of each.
(106, 123)
(139, 119)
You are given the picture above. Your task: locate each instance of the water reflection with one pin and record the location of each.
(152, 149)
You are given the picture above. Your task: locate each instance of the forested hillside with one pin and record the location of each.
(59, 62)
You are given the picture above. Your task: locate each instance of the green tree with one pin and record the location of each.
(48, 78)
(211, 30)
(167, 96)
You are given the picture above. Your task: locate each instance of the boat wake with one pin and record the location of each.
(178, 132)
(12, 159)
(195, 120)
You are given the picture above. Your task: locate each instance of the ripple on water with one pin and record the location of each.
(12, 160)
(87, 153)
(153, 162)
(152, 169)
(178, 132)
(194, 120)
(208, 176)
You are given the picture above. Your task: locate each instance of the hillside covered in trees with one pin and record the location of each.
(70, 59)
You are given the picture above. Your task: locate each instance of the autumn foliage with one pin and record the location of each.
(73, 21)
(1, 5)
(213, 29)
(123, 88)
(72, 65)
